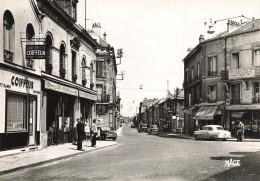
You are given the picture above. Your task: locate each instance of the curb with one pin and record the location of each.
(53, 160)
(175, 136)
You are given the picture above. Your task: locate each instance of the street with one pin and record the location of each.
(139, 156)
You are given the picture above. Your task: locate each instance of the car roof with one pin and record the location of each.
(213, 126)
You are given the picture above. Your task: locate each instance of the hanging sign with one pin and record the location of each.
(35, 52)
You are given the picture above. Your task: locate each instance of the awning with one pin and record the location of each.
(189, 110)
(206, 113)
(237, 114)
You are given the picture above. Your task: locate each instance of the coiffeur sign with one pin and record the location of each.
(35, 52)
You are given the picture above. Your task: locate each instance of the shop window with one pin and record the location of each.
(256, 98)
(235, 61)
(257, 58)
(29, 36)
(212, 93)
(48, 61)
(9, 36)
(235, 93)
(255, 122)
(62, 61)
(73, 67)
(16, 112)
(212, 66)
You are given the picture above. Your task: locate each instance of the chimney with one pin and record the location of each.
(96, 29)
(189, 50)
(201, 38)
(105, 36)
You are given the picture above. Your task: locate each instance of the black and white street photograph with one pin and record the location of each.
(130, 90)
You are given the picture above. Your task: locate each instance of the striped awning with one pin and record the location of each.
(206, 112)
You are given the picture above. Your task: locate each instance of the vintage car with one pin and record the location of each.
(106, 132)
(212, 132)
(153, 129)
(142, 127)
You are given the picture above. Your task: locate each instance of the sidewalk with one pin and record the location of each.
(174, 135)
(12, 162)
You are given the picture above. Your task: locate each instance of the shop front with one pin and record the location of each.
(20, 95)
(249, 115)
(60, 109)
(207, 115)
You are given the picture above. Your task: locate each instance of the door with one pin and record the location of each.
(32, 121)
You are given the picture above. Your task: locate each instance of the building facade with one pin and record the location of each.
(106, 71)
(68, 72)
(20, 80)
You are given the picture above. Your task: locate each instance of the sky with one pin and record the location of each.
(155, 36)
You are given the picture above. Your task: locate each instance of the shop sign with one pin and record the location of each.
(21, 82)
(35, 52)
(60, 88)
(5, 85)
(243, 107)
(87, 95)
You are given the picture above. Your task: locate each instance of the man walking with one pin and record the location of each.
(93, 130)
(80, 130)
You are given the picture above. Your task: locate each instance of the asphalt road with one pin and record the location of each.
(139, 156)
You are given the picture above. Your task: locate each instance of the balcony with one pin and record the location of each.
(235, 101)
(247, 72)
(8, 56)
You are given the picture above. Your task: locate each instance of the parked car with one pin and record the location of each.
(106, 132)
(142, 127)
(212, 132)
(153, 129)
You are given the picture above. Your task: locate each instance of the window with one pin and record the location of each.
(198, 69)
(212, 93)
(187, 75)
(212, 67)
(62, 61)
(101, 69)
(91, 75)
(99, 93)
(8, 39)
(73, 67)
(198, 93)
(48, 65)
(83, 65)
(29, 35)
(74, 11)
(256, 98)
(192, 73)
(257, 58)
(235, 61)
(235, 90)
(16, 112)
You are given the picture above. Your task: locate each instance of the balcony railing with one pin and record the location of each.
(235, 101)
(224, 75)
(8, 56)
(256, 100)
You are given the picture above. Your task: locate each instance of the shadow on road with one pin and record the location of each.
(241, 166)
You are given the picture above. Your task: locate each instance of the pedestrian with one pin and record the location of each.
(81, 131)
(93, 130)
(240, 131)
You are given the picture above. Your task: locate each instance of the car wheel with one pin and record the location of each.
(114, 139)
(196, 137)
(212, 139)
(224, 139)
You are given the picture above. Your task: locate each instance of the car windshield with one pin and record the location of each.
(105, 128)
(205, 128)
(220, 128)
